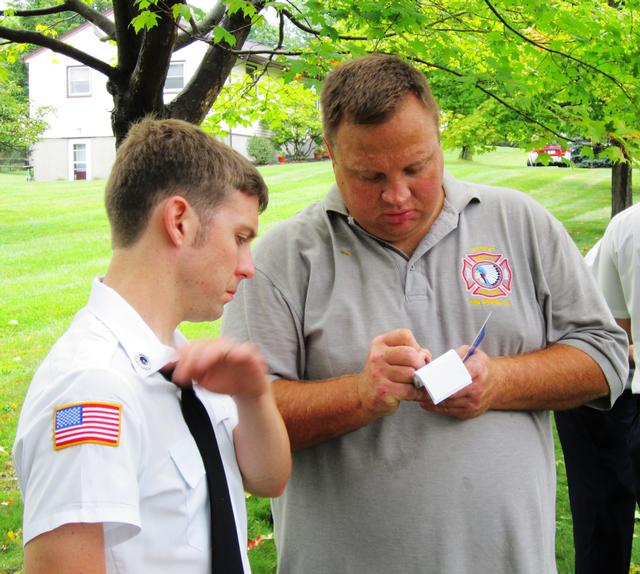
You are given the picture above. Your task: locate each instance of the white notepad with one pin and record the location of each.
(443, 376)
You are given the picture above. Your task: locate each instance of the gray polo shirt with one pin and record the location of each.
(415, 491)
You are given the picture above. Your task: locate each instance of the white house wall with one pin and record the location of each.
(88, 118)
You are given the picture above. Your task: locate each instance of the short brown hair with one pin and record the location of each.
(160, 158)
(367, 90)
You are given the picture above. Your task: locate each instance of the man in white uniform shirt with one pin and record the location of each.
(602, 448)
(116, 482)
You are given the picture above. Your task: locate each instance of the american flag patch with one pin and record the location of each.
(83, 423)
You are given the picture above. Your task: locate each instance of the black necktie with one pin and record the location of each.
(224, 538)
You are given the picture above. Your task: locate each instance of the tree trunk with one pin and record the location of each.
(466, 153)
(621, 191)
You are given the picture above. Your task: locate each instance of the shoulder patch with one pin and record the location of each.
(86, 423)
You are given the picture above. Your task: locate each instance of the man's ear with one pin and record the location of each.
(328, 147)
(179, 221)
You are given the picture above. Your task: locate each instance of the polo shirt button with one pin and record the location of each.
(412, 268)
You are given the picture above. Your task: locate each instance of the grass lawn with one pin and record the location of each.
(55, 239)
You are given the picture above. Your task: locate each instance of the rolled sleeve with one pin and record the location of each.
(577, 314)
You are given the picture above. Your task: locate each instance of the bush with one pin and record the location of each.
(583, 154)
(261, 150)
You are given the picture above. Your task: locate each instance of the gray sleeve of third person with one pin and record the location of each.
(263, 314)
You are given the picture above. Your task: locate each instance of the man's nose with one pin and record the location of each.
(245, 268)
(395, 191)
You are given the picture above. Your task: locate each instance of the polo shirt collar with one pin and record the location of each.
(458, 194)
(145, 351)
(333, 201)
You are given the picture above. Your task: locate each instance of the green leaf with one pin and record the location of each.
(181, 11)
(221, 35)
(145, 20)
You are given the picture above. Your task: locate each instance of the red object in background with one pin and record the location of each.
(281, 159)
(251, 544)
(557, 155)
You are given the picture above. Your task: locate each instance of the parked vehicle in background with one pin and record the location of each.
(549, 155)
(590, 159)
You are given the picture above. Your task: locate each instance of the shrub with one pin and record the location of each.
(260, 150)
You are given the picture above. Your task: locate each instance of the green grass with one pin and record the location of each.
(54, 239)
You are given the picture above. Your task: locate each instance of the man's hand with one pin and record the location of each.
(223, 367)
(472, 401)
(387, 377)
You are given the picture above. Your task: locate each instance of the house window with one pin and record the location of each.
(78, 81)
(175, 77)
(79, 159)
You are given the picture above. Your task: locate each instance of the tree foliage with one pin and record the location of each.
(18, 128)
(287, 110)
(561, 69)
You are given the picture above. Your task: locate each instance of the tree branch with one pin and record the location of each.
(64, 7)
(557, 52)
(28, 37)
(93, 16)
(76, 6)
(197, 97)
(497, 98)
(211, 20)
(318, 33)
(127, 41)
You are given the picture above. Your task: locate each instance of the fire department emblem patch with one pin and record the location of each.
(487, 274)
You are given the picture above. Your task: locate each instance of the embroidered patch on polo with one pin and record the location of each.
(86, 423)
(487, 274)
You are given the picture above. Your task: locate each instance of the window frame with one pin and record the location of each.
(70, 94)
(174, 90)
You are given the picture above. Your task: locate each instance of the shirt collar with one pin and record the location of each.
(458, 194)
(333, 201)
(145, 351)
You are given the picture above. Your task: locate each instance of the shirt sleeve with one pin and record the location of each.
(605, 268)
(262, 313)
(63, 482)
(574, 309)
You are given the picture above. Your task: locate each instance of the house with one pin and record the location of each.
(79, 143)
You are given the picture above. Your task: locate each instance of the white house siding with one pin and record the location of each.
(51, 158)
(88, 118)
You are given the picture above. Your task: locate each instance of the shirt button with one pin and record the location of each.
(412, 268)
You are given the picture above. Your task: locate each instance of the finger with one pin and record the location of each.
(397, 374)
(403, 392)
(404, 356)
(399, 337)
(463, 350)
(195, 359)
(246, 356)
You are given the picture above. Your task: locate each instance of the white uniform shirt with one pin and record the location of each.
(615, 262)
(148, 486)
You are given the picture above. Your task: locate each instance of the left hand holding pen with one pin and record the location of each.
(473, 400)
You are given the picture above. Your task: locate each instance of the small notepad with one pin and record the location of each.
(443, 376)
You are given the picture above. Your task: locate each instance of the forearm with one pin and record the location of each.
(315, 411)
(556, 378)
(262, 446)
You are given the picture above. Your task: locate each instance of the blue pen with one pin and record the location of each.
(479, 338)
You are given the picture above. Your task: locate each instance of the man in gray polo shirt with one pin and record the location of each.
(349, 294)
